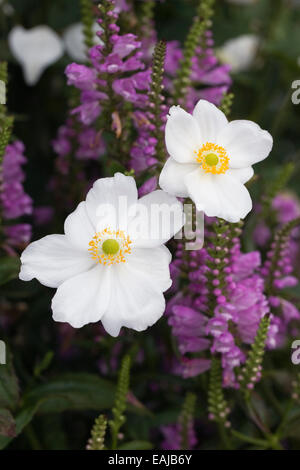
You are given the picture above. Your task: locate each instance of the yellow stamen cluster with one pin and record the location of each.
(213, 158)
(104, 247)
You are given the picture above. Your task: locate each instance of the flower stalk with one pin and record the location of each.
(278, 253)
(217, 405)
(199, 27)
(6, 123)
(251, 371)
(96, 441)
(119, 408)
(87, 18)
(186, 420)
(156, 98)
(217, 263)
(226, 103)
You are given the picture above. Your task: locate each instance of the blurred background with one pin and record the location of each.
(265, 65)
(263, 91)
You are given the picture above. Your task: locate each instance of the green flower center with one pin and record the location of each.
(211, 159)
(110, 246)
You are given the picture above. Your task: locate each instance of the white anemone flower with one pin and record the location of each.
(239, 52)
(210, 159)
(35, 49)
(111, 263)
(74, 41)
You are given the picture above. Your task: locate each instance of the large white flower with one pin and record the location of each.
(35, 49)
(111, 264)
(74, 41)
(211, 158)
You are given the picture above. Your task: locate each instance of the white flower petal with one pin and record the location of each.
(236, 199)
(202, 190)
(242, 174)
(210, 119)
(219, 195)
(84, 298)
(52, 260)
(172, 175)
(35, 49)
(110, 200)
(135, 302)
(245, 142)
(159, 216)
(74, 41)
(182, 136)
(157, 263)
(78, 228)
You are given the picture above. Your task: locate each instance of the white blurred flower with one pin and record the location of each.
(7, 8)
(239, 52)
(102, 267)
(74, 41)
(35, 49)
(210, 159)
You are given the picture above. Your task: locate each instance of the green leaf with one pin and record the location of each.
(165, 417)
(136, 445)
(9, 387)
(116, 167)
(134, 405)
(262, 409)
(9, 269)
(293, 430)
(23, 418)
(7, 423)
(75, 391)
(44, 364)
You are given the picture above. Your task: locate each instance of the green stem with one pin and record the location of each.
(269, 393)
(32, 437)
(284, 420)
(256, 419)
(249, 439)
(224, 437)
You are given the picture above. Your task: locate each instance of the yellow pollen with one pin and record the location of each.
(213, 158)
(110, 247)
